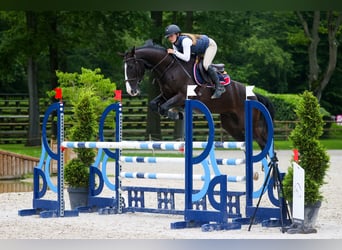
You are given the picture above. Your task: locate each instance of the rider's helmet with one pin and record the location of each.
(171, 29)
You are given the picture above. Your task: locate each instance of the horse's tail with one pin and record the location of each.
(268, 104)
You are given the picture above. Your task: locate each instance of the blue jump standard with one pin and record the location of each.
(196, 201)
(49, 208)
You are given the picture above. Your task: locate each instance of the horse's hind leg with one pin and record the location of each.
(260, 131)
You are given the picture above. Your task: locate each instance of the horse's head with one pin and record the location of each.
(134, 72)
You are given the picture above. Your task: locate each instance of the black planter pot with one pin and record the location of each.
(311, 214)
(78, 197)
(310, 218)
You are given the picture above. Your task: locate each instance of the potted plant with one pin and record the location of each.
(313, 158)
(76, 172)
(87, 93)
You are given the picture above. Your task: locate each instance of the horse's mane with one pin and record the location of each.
(150, 44)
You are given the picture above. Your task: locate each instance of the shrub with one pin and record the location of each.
(85, 128)
(313, 157)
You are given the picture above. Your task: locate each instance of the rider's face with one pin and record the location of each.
(172, 38)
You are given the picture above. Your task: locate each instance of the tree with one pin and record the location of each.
(318, 79)
(12, 71)
(33, 138)
(252, 45)
(24, 40)
(265, 48)
(153, 119)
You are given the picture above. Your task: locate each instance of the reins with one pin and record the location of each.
(186, 72)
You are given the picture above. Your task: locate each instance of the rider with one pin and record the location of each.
(185, 44)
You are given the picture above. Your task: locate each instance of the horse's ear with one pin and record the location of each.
(120, 54)
(132, 53)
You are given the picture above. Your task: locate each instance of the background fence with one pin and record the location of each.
(14, 121)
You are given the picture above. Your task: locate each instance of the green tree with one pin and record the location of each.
(12, 71)
(153, 129)
(74, 84)
(265, 48)
(318, 79)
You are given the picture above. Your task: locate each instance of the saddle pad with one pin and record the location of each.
(223, 77)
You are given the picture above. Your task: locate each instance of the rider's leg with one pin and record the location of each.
(219, 89)
(207, 60)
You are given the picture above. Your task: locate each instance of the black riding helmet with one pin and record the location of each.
(171, 29)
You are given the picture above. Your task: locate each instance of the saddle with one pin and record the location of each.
(201, 75)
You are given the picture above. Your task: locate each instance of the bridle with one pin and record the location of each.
(149, 66)
(136, 60)
(154, 68)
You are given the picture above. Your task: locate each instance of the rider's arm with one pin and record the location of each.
(185, 56)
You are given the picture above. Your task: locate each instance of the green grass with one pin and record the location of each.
(22, 149)
(328, 143)
(332, 144)
(278, 145)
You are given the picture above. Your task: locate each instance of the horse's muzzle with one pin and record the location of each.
(132, 91)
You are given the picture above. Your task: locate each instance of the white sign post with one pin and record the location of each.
(298, 194)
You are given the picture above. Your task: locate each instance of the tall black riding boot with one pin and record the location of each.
(219, 89)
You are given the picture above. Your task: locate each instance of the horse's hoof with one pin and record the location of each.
(173, 115)
(256, 176)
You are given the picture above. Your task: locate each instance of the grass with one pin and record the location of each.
(22, 149)
(328, 143)
(278, 145)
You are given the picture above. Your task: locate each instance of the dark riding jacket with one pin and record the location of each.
(202, 43)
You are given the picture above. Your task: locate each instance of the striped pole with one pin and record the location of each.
(174, 146)
(218, 144)
(156, 145)
(168, 176)
(153, 160)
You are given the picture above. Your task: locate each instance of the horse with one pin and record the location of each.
(174, 76)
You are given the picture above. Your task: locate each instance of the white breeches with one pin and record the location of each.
(209, 54)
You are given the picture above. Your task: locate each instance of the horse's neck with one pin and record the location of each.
(152, 56)
(160, 61)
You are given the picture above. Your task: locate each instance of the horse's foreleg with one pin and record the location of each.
(156, 102)
(176, 101)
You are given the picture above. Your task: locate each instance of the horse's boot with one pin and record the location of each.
(219, 89)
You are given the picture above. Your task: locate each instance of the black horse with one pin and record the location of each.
(174, 75)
